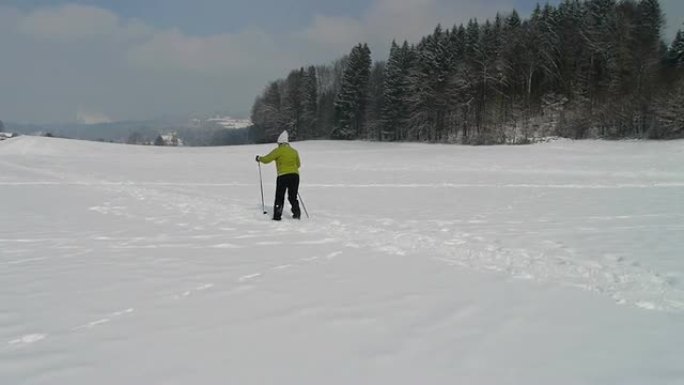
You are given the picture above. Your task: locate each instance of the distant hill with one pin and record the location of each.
(194, 132)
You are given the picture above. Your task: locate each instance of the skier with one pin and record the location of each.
(287, 164)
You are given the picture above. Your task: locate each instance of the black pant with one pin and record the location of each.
(289, 182)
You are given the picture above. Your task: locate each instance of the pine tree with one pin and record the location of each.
(574, 54)
(376, 89)
(512, 55)
(458, 93)
(393, 94)
(352, 98)
(670, 114)
(471, 76)
(650, 23)
(2, 126)
(396, 106)
(649, 26)
(675, 53)
(293, 102)
(432, 80)
(622, 105)
(541, 62)
(309, 103)
(487, 78)
(267, 116)
(511, 67)
(571, 45)
(327, 86)
(549, 50)
(599, 21)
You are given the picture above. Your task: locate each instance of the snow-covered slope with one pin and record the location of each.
(558, 263)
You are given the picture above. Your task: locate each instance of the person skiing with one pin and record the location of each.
(287, 164)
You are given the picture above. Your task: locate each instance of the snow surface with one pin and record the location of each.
(556, 263)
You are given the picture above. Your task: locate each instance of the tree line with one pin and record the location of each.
(582, 69)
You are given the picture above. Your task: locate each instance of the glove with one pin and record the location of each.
(257, 158)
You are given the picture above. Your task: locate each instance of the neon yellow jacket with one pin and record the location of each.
(286, 157)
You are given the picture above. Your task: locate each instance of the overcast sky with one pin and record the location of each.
(61, 61)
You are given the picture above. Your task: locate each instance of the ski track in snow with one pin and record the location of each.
(625, 282)
(27, 339)
(237, 286)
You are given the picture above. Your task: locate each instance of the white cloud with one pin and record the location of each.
(172, 50)
(334, 33)
(400, 20)
(59, 58)
(75, 23)
(69, 22)
(150, 48)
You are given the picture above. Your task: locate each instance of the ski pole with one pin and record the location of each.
(303, 205)
(261, 184)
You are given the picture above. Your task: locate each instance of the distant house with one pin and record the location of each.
(171, 139)
(7, 135)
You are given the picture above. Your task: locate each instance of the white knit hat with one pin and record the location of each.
(283, 138)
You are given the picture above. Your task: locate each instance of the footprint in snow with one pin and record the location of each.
(225, 246)
(27, 339)
(317, 242)
(206, 286)
(333, 255)
(315, 258)
(102, 321)
(282, 267)
(245, 278)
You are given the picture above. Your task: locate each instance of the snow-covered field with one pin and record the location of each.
(556, 263)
